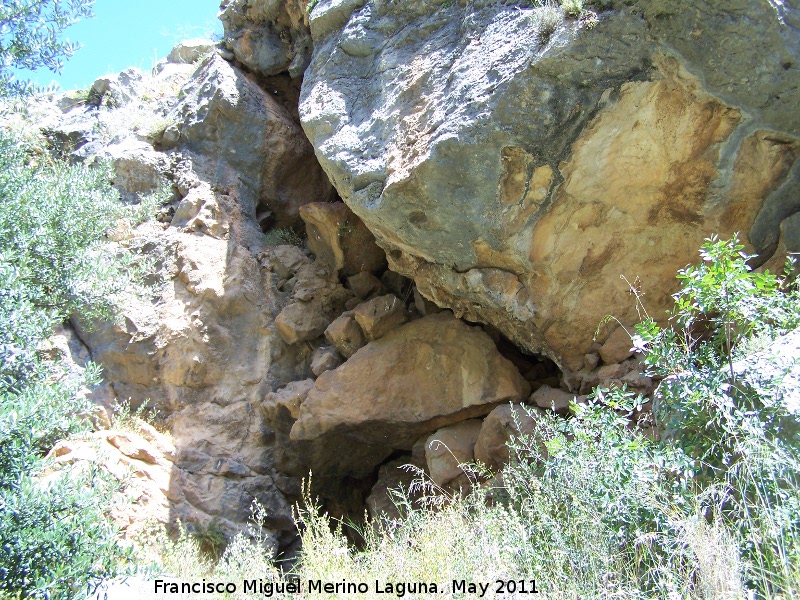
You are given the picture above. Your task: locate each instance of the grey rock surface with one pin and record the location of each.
(251, 144)
(268, 36)
(516, 172)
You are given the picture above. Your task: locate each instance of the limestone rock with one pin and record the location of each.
(268, 36)
(423, 305)
(256, 149)
(415, 379)
(199, 211)
(617, 347)
(118, 89)
(71, 132)
(190, 51)
(503, 423)
(159, 485)
(138, 169)
(395, 476)
(550, 398)
(345, 334)
(324, 359)
(339, 240)
(364, 285)
(303, 320)
(449, 448)
(380, 315)
(515, 176)
(280, 410)
(286, 401)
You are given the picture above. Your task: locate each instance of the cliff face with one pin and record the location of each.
(515, 168)
(510, 163)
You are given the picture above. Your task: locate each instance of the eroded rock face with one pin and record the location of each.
(250, 144)
(340, 241)
(415, 379)
(163, 480)
(206, 348)
(515, 176)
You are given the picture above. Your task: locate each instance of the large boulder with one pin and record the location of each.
(516, 171)
(415, 379)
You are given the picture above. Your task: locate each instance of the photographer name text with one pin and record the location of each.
(269, 588)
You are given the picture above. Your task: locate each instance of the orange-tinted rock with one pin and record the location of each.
(339, 239)
(345, 334)
(491, 447)
(415, 379)
(617, 347)
(380, 315)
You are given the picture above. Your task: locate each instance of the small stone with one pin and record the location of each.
(552, 399)
(607, 372)
(617, 347)
(324, 359)
(505, 421)
(394, 475)
(450, 447)
(423, 305)
(380, 315)
(345, 334)
(364, 284)
(591, 360)
(286, 401)
(301, 321)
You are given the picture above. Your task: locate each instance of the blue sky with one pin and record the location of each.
(130, 33)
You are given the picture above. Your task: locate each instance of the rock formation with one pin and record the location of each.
(515, 171)
(505, 168)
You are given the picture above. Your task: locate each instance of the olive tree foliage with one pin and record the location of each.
(30, 38)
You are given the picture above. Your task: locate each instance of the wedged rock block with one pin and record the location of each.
(516, 174)
(503, 423)
(449, 450)
(417, 378)
(339, 240)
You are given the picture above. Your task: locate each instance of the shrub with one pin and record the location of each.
(723, 306)
(729, 413)
(284, 237)
(29, 37)
(54, 539)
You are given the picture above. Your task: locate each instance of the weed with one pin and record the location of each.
(284, 237)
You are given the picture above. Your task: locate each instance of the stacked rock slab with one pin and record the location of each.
(515, 173)
(421, 376)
